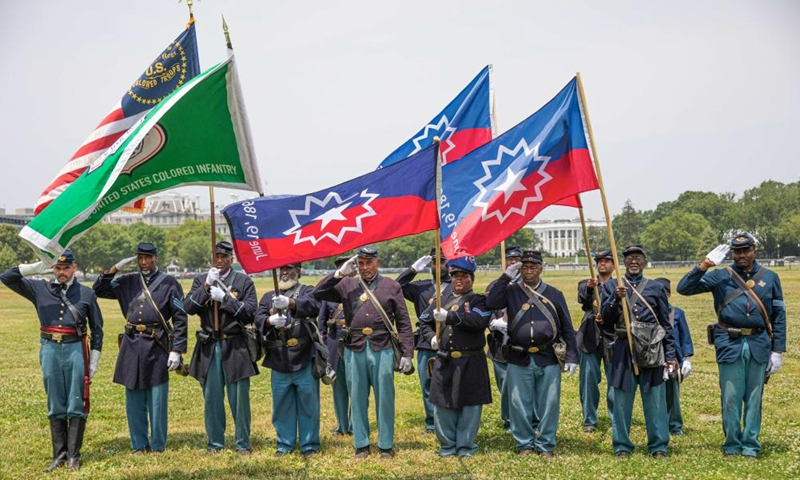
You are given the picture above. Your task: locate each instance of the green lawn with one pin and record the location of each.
(26, 450)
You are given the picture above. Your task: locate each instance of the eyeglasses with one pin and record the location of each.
(636, 258)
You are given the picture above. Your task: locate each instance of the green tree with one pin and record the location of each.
(789, 235)
(679, 236)
(102, 246)
(628, 225)
(598, 238)
(194, 252)
(22, 253)
(718, 209)
(142, 232)
(524, 238)
(762, 210)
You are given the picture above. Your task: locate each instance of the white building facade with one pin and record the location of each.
(562, 238)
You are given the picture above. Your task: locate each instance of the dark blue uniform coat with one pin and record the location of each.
(280, 355)
(459, 382)
(237, 307)
(422, 293)
(142, 362)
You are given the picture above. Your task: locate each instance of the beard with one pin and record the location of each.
(287, 284)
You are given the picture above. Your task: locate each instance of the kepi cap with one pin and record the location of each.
(742, 240)
(631, 249)
(531, 256)
(224, 247)
(66, 258)
(514, 251)
(463, 264)
(368, 252)
(146, 248)
(603, 255)
(340, 260)
(667, 284)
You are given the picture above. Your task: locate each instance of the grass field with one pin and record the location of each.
(25, 447)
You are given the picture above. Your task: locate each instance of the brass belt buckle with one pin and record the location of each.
(341, 322)
(367, 331)
(56, 337)
(747, 331)
(533, 349)
(224, 336)
(292, 342)
(455, 354)
(141, 328)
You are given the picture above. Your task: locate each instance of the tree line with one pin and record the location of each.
(682, 229)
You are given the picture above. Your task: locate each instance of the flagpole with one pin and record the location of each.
(588, 254)
(438, 263)
(613, 245)
(494, 135)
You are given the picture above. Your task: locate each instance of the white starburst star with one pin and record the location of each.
(330, 215)
(523, 155)
(512, 184)
(443, 122)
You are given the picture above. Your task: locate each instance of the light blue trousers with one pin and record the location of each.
(500, 378)
(534, 392)
(341, 400)
(589, 380)
(673, 394)
(368, 369)
(654, 404)
(238, 400)
(62, 373)
(295, 410)
(456, 429)
(742, 384)
(141, 405)
(425, 385)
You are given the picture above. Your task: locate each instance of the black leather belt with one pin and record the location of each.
(141, 328)
(461, 353)
(61, 337)
(369, 330)
(740, 331)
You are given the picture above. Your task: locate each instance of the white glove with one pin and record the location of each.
(421, 263)
(405, 364)
(774, 364)
(280, 302)
(348, 268)
(686, 368)
(434, 343)
(28, 269)
(440, 314)
(277, 320)
(499, 325)
(94, 361)
(217, 294)
(717, 256)
(119, 265)
(513, 270)
(570, 367)
(174, 361)
(213, 276)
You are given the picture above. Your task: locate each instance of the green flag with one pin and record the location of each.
(199, 135)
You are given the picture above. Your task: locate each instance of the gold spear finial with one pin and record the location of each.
(227, 35)
(190, 4)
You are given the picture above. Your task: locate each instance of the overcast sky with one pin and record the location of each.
(683, 95)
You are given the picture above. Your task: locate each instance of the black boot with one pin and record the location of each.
(58, 435)
(77, 426)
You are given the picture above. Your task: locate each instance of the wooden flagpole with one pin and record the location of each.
(589, 254)
(613, 245)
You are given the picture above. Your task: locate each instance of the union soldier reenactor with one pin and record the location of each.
(540, 336)
(286, 322)
(496, 338)
(421, 293)
(749, 337)
(226, 302)
(649, 319)
(331, 321)
(369, 355)
(150, 347)
(593, 344)
(460, 378)
(684, 348)
(65, 309)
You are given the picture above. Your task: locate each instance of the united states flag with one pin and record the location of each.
(173, 67)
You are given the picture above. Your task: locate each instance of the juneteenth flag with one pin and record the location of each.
(173, 67)
(498, 188)
(198, 135)
(463, 125)
(391, 202)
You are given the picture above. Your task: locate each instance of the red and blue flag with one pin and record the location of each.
(463, 125)
(391, 202)
(498, 188)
